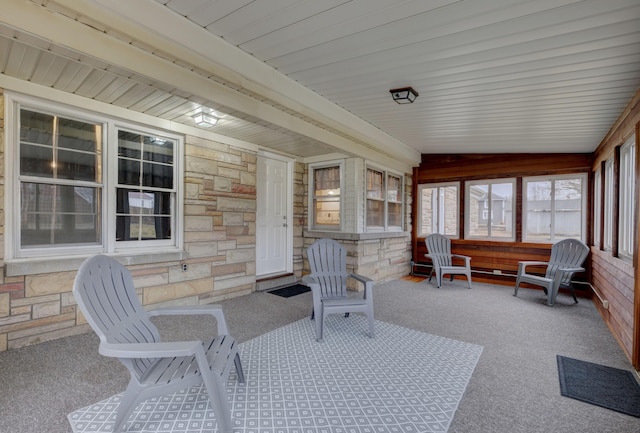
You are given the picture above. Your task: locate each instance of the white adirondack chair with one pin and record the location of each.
(328, 283)
(439, 251)
(106, 296)
(567, 257)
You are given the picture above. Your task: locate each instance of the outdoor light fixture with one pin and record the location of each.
(405, 95)
(204, 119)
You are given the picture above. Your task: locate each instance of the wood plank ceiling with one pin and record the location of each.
(493, 76)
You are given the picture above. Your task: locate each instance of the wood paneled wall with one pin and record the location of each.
(614, 278)
(489, 258)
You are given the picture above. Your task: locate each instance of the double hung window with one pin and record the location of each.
(384, 200)
(438, 209)
(85, 184)
(326, 190)
(554, 208)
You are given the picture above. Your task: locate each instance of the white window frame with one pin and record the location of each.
(597, 206)
(608, 204)
(384, 199)
(311, 196)
(627, 198)
(108, 245)
(467, 217)
(552, 230)
(439, 208)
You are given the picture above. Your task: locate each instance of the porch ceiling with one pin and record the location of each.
(309, 78)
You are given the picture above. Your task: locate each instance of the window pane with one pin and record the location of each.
(375, 213)
(428, 205)
(327, 212)
(143, 215)
(375, 187)
(567, 216)
(327, 181)
(439, 210)
(36, 160)
(326, 196)
(59, 215)
(490, 210)
(478, 210)
(128, 172)
(55, 147)
(157, 175)
(538, 218)
(449, 198)
(501, 210)
(597, 202)
(395, 215)
(76, 165)
(394, 189)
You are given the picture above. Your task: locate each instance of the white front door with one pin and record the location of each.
(274, 234)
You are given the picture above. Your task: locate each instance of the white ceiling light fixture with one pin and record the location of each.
(404, 95)
(205, 120)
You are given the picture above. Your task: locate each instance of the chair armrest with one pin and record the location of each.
(214, 310)
(467, 259)
(308, 279)
(563, 270)
(523, 265)
(364, 280)
(150, 350)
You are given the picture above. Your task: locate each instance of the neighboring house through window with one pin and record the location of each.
(490, 212)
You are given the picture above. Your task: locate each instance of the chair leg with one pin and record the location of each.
(469, 278)
(219, 402)
(129, 401)
(372, 328)
(319, 324)
(515, 292)
(239, 370)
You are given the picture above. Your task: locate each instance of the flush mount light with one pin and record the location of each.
(204, 119)
(405, 95)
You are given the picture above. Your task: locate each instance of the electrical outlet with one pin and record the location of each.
(184, 267)
(497, 272)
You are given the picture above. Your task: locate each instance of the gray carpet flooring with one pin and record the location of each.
(514, 387)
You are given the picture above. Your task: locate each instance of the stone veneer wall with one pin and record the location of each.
(219, 240)
(219, 235)
(380, 256)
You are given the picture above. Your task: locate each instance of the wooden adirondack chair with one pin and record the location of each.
(106, 296)
(567, 257)
(439, 251)
(328, 283)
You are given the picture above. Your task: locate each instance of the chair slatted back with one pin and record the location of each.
(439, 247)
(105, 293)
(568, 253)
(328, 264)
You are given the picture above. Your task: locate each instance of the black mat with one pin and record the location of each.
(287, 292)
(597, 384)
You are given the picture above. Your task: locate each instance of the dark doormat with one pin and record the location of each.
(287, 292)
(597, 384)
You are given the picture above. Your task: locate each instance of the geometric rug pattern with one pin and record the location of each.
(401, 381)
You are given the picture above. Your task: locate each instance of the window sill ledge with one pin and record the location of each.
(354, 236)
(32, 266)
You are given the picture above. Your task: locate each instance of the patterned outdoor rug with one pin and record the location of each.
(401, 381)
